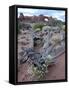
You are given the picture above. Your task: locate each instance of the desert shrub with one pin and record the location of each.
(56, 23)
(40, 73)
(49, 60)
(23, 26)
(57, 40)
(19, 27)
(38, 25)
(63, 27)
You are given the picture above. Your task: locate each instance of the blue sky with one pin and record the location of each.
(60, 15)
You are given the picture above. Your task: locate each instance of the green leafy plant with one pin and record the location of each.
(40, 73)
(40, 26)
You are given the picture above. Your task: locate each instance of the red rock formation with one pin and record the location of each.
(33, 18)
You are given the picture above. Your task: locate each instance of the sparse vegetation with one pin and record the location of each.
(39, 39)
(40, 26)
(41, 72)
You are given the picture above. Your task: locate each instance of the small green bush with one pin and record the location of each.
(40, 74)
(38, 25)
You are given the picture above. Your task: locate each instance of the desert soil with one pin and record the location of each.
(57, 71)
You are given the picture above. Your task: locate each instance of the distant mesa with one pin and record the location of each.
(33, 18)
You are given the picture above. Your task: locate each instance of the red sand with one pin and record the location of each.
(57, 71)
